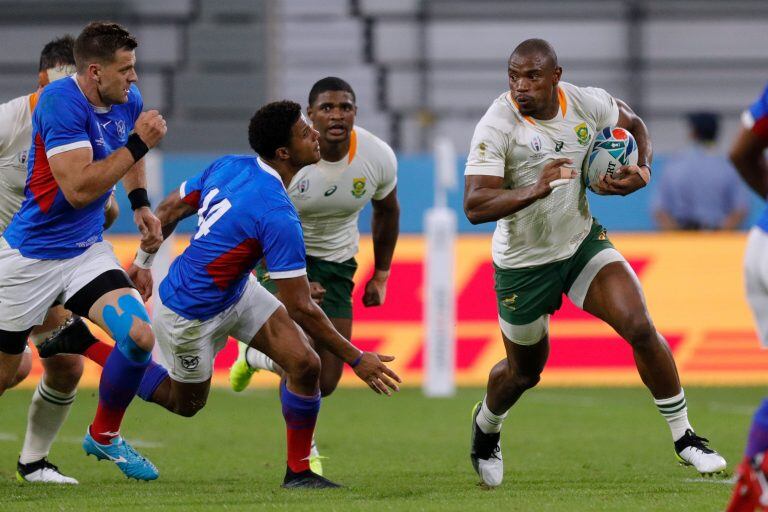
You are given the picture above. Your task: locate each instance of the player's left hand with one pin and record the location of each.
(376, 289)
(149, 227)
(372, 370)
(629, 180)
(142, 278)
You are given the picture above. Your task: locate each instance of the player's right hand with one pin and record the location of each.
(372, 370)
(142, 279)
(555, 174)
(151, 127)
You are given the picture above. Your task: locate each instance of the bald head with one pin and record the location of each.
(533, 78)
(536, 48)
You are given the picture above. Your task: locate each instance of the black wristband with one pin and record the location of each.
(136, 146)
(650, 171)
(138, 198)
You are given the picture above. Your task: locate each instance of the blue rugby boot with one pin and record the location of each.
(130, 462)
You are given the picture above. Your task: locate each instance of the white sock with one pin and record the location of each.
(489, 422)
(258, 360)
(47, 412)
(675, 411)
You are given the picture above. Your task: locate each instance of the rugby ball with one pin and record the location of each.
(612, 149)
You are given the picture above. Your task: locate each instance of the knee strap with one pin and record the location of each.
(120, 326)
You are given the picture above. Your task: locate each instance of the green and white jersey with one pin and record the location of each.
(516, 148)
(330, 195)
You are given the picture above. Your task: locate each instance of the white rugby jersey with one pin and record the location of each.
(516, 147)
(15, 141)
(330, 195)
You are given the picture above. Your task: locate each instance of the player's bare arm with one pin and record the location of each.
(111, 211)
(385, 227)
(169, 212)
(486, 199)
(747, 156)
(82, 180)
(145, 220)
(368, 366)
(637, 176)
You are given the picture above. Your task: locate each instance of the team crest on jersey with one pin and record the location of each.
(358, 187)
(536, 143)
(582, 133)
(120, 128)
(303, 185)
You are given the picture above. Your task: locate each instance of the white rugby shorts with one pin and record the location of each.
(756, 280)
(28, 287)
(189, 347)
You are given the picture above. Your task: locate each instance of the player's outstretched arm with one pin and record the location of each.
(747, 155)
(369, 366)
(82, 180)
(634, 177)
(385, 228)
(486, 199)
(169, 212)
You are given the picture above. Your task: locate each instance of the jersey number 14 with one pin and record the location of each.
(207, 215)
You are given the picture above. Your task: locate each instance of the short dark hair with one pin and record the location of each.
(539, 46)
(100, 40)
(705, 125)
(57, 52)
(330, 83)
(270, 127)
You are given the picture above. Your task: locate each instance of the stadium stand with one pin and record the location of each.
(419, 67)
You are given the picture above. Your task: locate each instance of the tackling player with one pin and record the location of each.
(356, 168)
(748, 156)
(244, 215)
(520, 173)
(56, 390)
(88, 132)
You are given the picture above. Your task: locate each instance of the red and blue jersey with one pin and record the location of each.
(756, 119)
(244, 215)
(47, 226)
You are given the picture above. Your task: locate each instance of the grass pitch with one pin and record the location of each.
(590, 449)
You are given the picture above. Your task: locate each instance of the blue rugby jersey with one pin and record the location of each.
(47, 226)
(756, 119)
(244, 214)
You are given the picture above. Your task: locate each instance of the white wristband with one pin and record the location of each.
(144, 259)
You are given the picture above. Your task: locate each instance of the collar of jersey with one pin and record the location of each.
(560, 97)
(98, 110)
(264, 165)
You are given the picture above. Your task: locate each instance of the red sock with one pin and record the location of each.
(299, 444)
(106, 419)
(98, 352)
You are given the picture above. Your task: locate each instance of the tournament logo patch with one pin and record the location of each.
(189, 362)
(358, 187)
(536, 143)
(582, 133)
(303, 185)
(509, 302)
